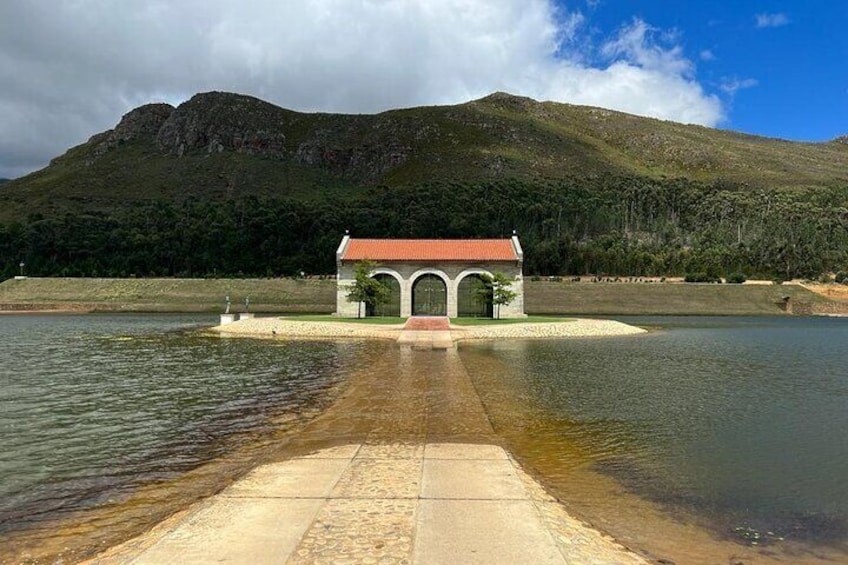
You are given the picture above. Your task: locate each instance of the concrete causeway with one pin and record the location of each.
(427, 333)
(404, 468)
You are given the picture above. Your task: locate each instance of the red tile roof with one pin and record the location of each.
(430, 250)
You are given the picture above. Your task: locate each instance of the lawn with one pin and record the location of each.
(491, 321)
(389, 320)
(385, 320)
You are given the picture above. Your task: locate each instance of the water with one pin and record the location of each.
(93, 409)
(739, 423)
(698, 439)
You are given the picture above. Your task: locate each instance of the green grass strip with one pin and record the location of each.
(493, 322)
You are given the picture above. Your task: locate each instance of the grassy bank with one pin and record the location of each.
(557, 298)
(319, 296)
(169, 295)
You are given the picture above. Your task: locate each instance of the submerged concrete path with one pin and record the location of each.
(404, 468)
(427, 333)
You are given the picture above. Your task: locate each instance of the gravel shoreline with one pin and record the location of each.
(283, 328)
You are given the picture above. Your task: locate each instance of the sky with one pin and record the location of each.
(72, 68)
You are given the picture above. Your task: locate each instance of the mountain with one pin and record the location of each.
(220, 145)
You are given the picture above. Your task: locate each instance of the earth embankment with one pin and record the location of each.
(318, 295)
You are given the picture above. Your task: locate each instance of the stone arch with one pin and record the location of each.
(386, 271)
(430, 290)
(466, 304)
(394, 281)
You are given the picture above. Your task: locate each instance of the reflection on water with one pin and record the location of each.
(94, 408)
(740, 422)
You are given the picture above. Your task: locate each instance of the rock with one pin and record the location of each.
(352, 149)
(143, 121)
(215, 122)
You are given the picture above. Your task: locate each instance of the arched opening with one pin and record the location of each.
(470, 303)
(392, 307)
(429, 296)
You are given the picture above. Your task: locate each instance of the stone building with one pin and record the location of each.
(431, 277)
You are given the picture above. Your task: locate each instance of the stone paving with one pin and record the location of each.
(450, 503)
(404, 468)
(424, 332)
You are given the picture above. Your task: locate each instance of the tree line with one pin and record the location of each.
(606, 225)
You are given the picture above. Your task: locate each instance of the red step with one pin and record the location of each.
(427, 323)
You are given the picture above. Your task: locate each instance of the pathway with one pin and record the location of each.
(404, 468)
(427, 332)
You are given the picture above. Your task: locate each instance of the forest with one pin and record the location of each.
(606, 225)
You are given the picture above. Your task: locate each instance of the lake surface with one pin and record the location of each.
(707, 432)
(94, 408)
(739, 423)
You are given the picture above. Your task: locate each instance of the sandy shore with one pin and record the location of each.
(283, 328)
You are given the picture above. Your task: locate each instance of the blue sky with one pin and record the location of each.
(72, 68)
(787, 60)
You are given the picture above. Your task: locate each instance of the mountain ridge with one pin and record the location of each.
(218, 145)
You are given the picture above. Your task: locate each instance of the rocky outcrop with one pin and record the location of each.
(367, 161)
(143, 121)
(216, 121)
(361, 146)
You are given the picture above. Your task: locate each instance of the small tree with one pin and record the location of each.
(366, 289)
(483, 291)
(495, 288)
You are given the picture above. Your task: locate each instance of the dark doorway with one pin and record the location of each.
(392, 307)
(468, 302)
(429, 296)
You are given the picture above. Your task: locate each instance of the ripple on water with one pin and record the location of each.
(94, 408)
(735, 424)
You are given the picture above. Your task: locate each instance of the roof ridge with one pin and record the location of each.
(489, 249)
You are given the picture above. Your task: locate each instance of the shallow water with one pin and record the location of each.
(707, 440)
(737, 424)
(93, 409)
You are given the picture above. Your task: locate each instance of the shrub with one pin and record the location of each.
(700, 277)
(736, 278)
(842, 277)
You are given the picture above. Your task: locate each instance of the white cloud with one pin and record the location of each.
(731, 85)
(771, 20)
(635, 43)
(76, 66)
(707, 55)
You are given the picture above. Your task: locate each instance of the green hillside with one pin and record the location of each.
(220, 146)
(227, 184)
